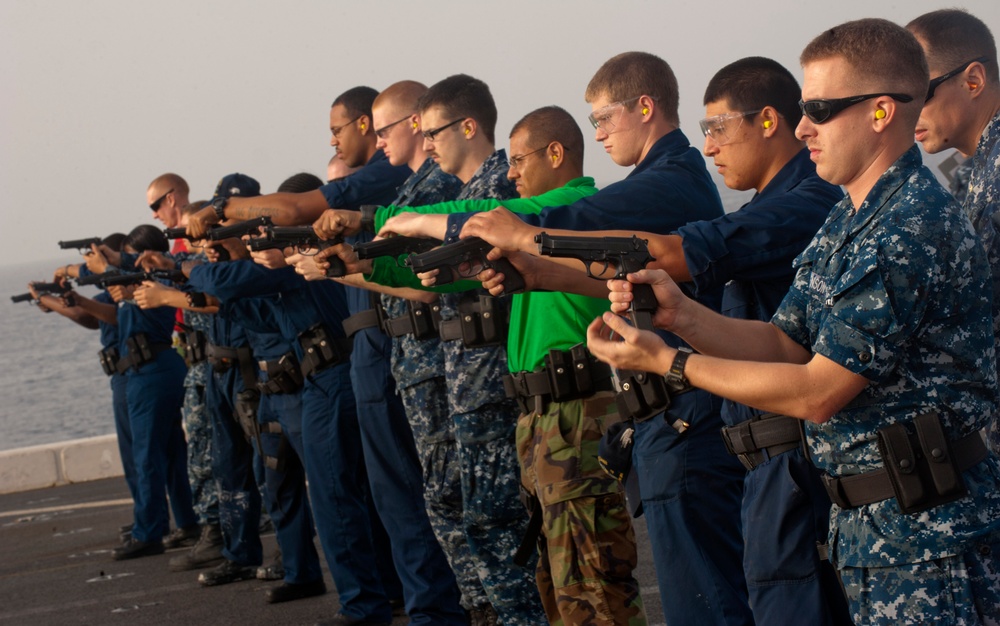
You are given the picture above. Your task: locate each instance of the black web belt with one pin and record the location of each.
(140, 353)
(482, 321)
(361, 321)
(567, 375)
(372, 318)
(222, 358)
(761, 438)
(421, 321)
(849, 492)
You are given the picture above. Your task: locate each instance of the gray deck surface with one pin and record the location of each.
(56, 568)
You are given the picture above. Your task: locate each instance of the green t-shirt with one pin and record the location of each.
(391, 272)
(539, 321)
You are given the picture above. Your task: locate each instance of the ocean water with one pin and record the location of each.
(52, 387)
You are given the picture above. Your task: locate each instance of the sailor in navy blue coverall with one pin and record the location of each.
(690, 487)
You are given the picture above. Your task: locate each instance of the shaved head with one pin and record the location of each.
(400, 99)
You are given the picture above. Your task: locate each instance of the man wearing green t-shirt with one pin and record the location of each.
(557, 439)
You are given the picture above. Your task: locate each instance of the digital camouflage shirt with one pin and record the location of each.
(982, 205)
(897, 290)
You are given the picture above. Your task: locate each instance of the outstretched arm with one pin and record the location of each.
(66, 306)
(284, 209)
(107, 313)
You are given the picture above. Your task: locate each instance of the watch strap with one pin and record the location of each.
(368, 217)
(674, 378)
(219, 205)
(197, 300)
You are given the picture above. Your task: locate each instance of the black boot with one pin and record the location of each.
(206, 553)
(228, 572)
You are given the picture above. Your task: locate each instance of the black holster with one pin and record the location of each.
(482, 321)
(140, 349)
(279, 461)
(642, 396)
(567, 375)
(140, 352)
(109, 359)
(921, 467)
(283, 375)
(529, 543)
(420, 320)
(195, 343)
(247, 404)
(321, 350)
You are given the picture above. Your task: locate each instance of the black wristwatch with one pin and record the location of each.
(219, 205)
(197, 300)
(368, 217)
(674, 378)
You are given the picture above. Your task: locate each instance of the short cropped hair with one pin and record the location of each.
(461, 96)
(883, 55)
(953, 37)
(402, 96)
(753, 83)
(172, 181)
(356, 101)
(633, 74)
(300, 183)
(146, 237)
(553, 123)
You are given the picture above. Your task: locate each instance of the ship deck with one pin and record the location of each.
(56, 568)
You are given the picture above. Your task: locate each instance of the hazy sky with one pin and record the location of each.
(99, 97)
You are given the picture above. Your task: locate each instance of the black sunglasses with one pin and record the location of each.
(819, 111)
(156, 204)
(936, 82)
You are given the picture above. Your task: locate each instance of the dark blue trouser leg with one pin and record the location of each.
(119, 406)
(396, 481)
(786, 511)
(286, 489)
(691, 493)
(333, 461)
(232, 465)
(155, 394)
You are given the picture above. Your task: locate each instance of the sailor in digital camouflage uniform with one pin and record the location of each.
(198, 426)
(959, 186)
(888, 321)
(418, 364)
(962, 111)
(458, 118)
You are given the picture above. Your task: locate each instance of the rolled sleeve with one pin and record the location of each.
(850, 347)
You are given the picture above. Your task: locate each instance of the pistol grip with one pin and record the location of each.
(643, 298)
(336, 269)
(445, 276)
(513, 281)
(222, 252)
